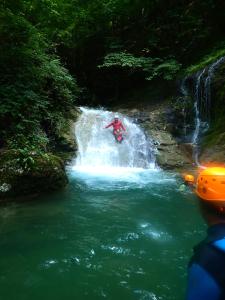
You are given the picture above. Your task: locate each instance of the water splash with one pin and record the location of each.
(97, 149)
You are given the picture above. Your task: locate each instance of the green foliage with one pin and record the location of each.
(150, 39)
(28, 149)
(36, 142)
(84, 32)
(167, 70)
(129, 34)
(206, 60)
(35, 89)
(152, 67)
(125, 60)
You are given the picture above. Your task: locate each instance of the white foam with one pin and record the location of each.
(106, 173)
(98, 149)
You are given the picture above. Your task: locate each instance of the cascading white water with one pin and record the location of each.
(97, 147)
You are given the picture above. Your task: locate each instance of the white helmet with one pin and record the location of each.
(116, 117)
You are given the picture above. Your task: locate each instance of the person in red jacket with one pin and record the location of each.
(117, 128)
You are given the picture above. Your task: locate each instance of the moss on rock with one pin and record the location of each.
(208, 59)
(45, 173)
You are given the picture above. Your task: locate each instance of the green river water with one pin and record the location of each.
(103, 237)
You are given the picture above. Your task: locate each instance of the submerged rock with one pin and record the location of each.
(44, 173)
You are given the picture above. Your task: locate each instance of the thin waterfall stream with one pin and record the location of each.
(202, 103)
(198, 122)
(184, 95)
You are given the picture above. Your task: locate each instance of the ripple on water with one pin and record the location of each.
(116, 249)
(65, 264)
(146, 295)
(149, 231)
(49, 263)
(130, 236)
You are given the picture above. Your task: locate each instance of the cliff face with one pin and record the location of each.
(188, 122)
(213, 145)
(207, 87)
(158, 126)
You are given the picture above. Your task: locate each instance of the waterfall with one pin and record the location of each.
(183, 87)
(203, 98)
(202, 102)
(197, 106)
(184, 95)
(97, 147)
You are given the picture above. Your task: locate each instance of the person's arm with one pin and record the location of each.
(111, 124)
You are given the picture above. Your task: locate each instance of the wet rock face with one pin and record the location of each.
(214, 154)
(159, 124)
(214, 151)
(46, 174)
(171, 157)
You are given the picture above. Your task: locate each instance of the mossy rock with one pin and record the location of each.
(65, 140)
(207, 60)
(47, 173)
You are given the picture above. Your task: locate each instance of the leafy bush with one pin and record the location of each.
(208, 59)
(35, 89)
(152, 67)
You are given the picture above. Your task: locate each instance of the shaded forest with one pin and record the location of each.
(55, 54)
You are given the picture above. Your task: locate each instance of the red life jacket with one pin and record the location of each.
(116, 125)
